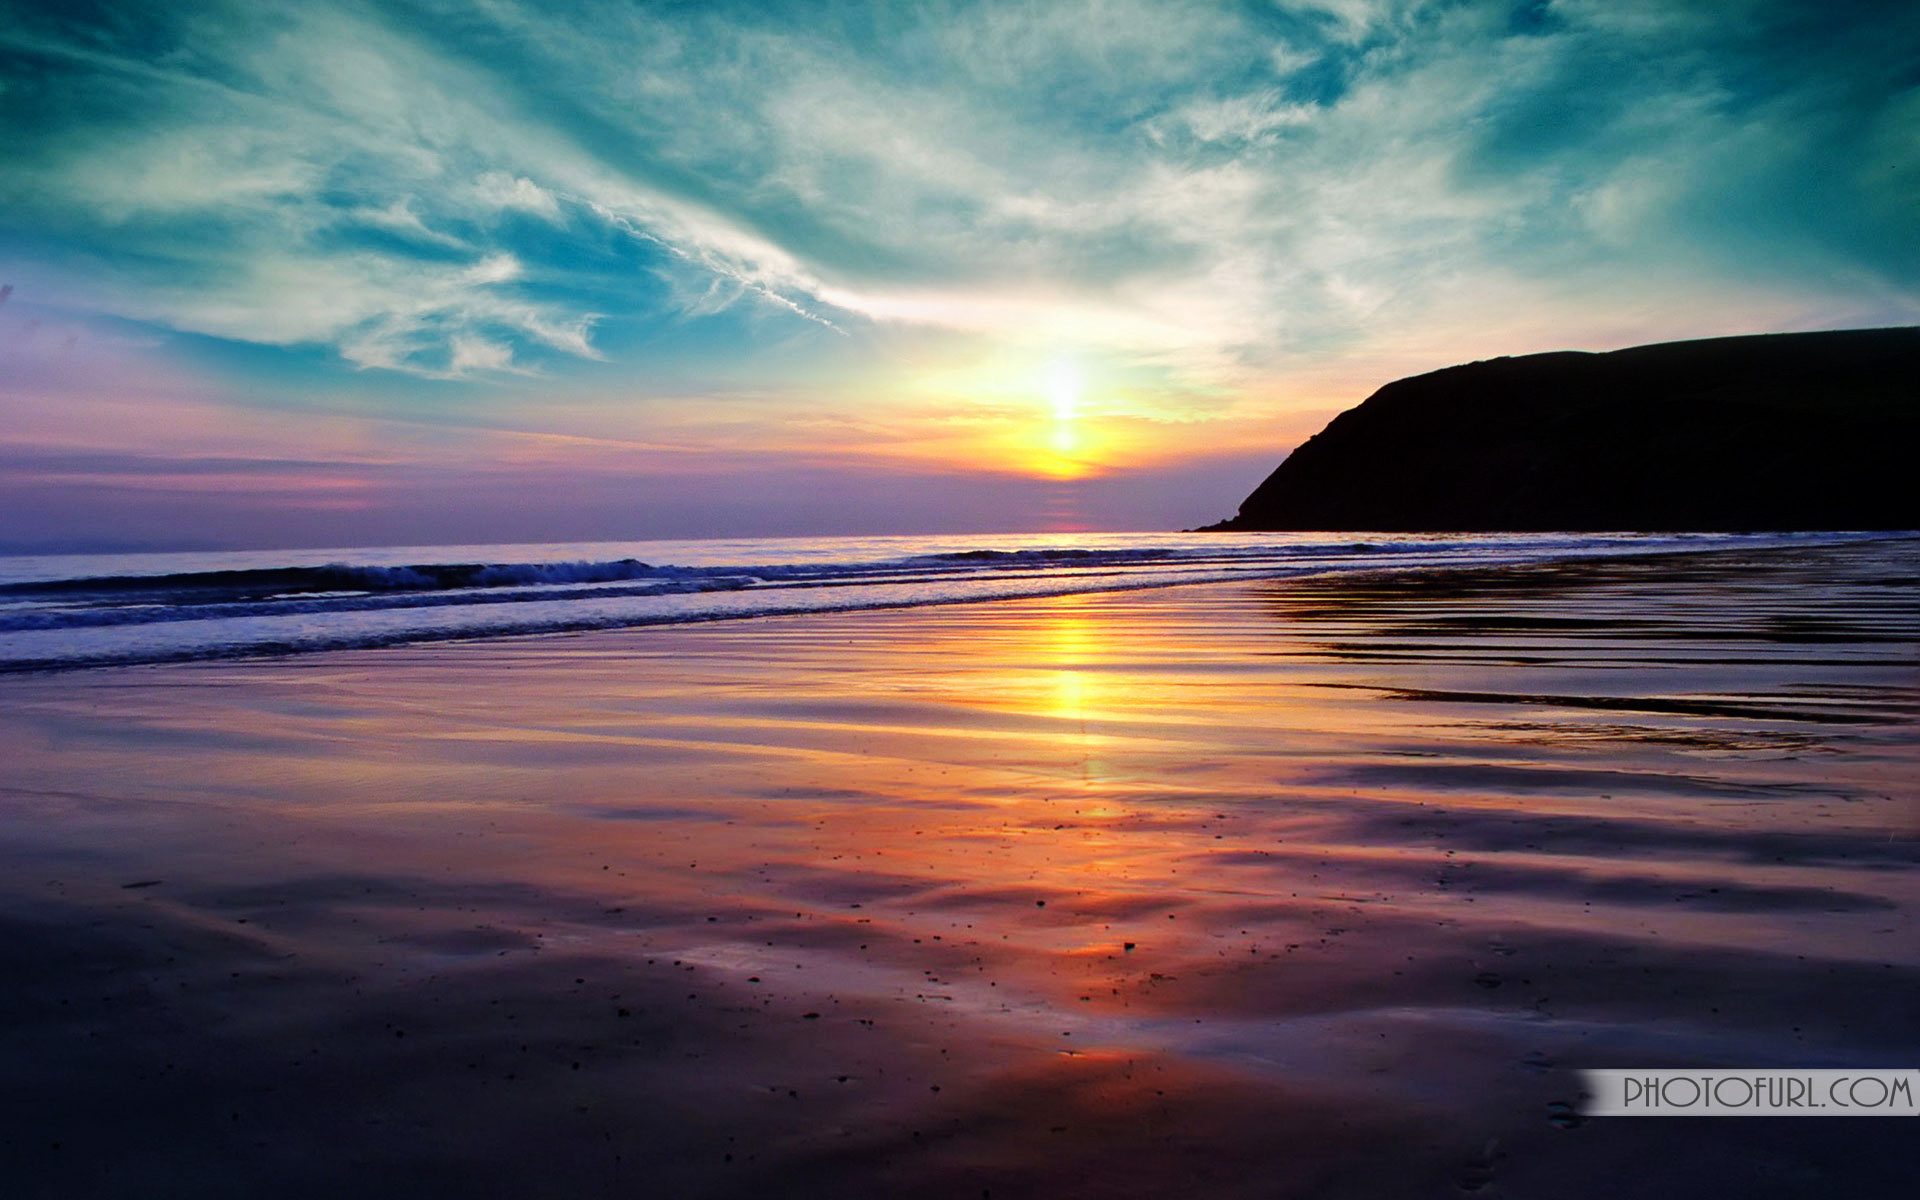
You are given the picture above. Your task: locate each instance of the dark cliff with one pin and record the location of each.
(1780, 431)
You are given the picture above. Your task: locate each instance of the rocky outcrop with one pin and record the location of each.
(1797, 431)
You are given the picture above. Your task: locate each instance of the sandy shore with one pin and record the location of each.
(1313, 888)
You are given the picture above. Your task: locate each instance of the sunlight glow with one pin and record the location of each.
(1061, 415)
(1064, 384)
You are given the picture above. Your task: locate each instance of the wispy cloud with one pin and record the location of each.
(1237, 211)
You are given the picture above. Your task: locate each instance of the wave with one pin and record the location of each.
(78, 614)
(142, 614)
(213, 588)
(333, 577)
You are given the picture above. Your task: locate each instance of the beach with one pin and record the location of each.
(1321, 886)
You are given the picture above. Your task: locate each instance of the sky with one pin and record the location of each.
(391, 272)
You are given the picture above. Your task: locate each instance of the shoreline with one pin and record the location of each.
(1048, 589)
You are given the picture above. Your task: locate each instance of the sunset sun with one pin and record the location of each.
(1063, 440)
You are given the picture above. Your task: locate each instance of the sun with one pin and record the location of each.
(1064, 385)
(1049, 412)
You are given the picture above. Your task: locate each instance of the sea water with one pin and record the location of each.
(64, 611)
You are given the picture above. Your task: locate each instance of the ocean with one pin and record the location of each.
(65, 611)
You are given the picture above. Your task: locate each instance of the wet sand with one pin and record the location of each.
(1316, 888)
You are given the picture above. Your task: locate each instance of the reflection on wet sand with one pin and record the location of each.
(1314, 888)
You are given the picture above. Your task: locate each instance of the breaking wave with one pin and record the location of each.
(122, 609)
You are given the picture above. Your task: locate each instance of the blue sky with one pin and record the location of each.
(372, 272)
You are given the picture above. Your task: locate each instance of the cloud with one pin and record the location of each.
(463, 191)
(501, 190)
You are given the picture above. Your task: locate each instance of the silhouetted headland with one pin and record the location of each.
(1792, 431)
